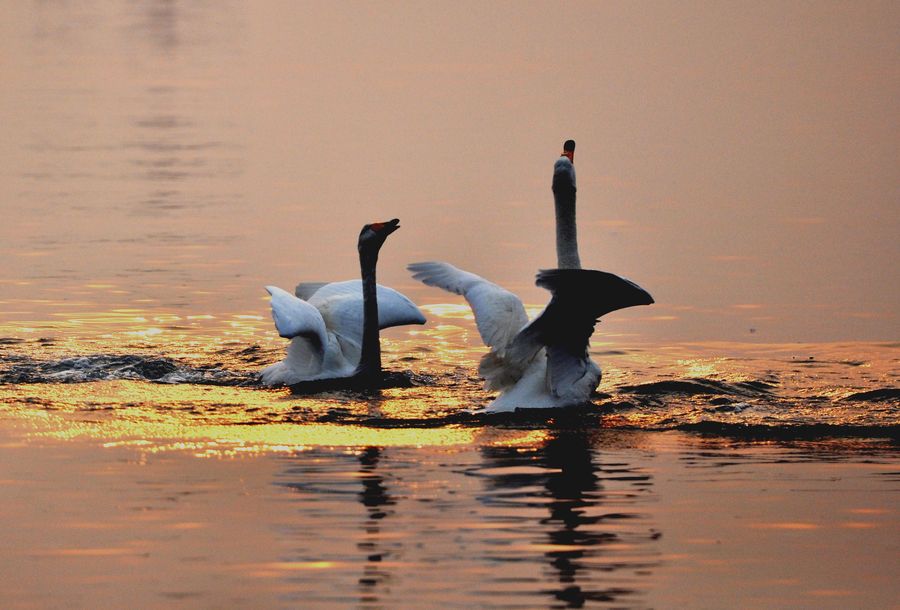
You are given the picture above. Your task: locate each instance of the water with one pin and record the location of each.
(760, 475)
(346, 516)
(152, 187)
(826, 389)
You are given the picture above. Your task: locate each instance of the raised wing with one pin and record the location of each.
(297, 318)
(499, 314)
(580, 297)
(341, 306)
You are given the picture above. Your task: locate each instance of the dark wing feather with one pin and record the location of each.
(580, 297)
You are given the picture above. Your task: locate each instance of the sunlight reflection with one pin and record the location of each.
(449, 310)
(147, 332)
(212, 441)
(697, 367)
(213, 421)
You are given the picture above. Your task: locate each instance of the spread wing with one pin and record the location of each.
(580, 297)
(341, 306)
(296, 318)
(499, 314)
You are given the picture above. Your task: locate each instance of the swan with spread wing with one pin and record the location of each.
(334, 327)
(543, 363)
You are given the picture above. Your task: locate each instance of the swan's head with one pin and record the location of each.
(564, 182)
(569, 150)
(373, 235)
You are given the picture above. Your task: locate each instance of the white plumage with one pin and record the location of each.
(500, 316)
(326, 330)
(543, 363)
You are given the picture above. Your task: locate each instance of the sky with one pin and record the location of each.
(738, 160)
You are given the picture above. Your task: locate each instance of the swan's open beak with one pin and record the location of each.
(386, 228)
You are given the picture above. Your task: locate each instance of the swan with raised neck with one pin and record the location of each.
(564, 192)
(543, 363)
(371, 238)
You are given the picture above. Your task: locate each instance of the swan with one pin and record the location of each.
(334, 327)
(543, 363)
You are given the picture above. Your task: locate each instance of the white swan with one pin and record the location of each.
(544, 363)
(333, 327)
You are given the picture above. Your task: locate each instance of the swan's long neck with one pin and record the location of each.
(370, 358)
(566, 232)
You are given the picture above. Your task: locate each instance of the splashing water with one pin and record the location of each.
(178, 385)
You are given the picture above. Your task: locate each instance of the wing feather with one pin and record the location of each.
(341, 306)
(296, 318)
(499, 314)
(580, 297)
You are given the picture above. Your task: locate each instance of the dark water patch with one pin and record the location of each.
(699, 387)
(620, 405)
(812, 361)
(18, 369)
(588, 416)
(886, 394)
(791, 432)
(252, 354)
(724, 420)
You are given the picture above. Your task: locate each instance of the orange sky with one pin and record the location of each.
(737, 160)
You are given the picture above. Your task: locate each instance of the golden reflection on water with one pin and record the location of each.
(213, 420)
(218, 421)
(216, 441)
(81, 330)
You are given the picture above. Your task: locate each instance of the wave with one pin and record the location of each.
(765, 408)
(878, 395)
(699, 387)
(791, 432)
(591, 417)
(107, 367)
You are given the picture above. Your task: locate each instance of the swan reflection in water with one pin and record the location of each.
(378, 502)
(328, 532)
(491, 525)
(596, 548)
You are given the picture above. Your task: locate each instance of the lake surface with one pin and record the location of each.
(343, 516)
(150, 193)
(155, 471)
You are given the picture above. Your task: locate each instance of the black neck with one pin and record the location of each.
(370, 358)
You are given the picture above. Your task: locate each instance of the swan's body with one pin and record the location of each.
(544, 363)
(334, 327)
(326, 330)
